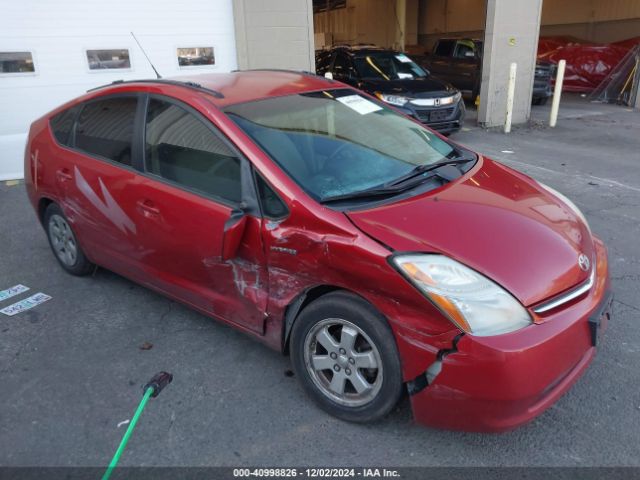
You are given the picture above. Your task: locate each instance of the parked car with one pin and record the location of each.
(459, 61)
(315, 218)
(395, 78)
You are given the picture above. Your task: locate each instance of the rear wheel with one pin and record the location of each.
(64, 243)
(344, 353)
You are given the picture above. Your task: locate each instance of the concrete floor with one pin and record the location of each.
(71, 369)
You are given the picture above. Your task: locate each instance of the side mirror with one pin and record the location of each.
(233, 232)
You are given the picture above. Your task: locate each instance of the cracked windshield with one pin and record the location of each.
(337, 142)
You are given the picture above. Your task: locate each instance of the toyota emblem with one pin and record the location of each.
(583, 262)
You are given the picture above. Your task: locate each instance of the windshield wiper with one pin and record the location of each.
(445, 174)
(444, 169)
(390, 189)
(368, 193)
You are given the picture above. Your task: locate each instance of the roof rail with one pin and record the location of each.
(188, 84)
(284, 70)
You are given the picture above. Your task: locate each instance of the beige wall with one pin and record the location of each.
(411, 22)
(595, 20)
(274, 34)
(386, 23)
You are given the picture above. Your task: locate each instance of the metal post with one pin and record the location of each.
(635, 89)
(557, 91)
(511, 89)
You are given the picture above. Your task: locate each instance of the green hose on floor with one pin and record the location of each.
(151, 389)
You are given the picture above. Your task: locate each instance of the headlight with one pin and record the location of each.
(449, 100)
(569, 203)
(396, 100)
(470, 300)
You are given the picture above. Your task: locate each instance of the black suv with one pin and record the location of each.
(397, 80)
(459, 61)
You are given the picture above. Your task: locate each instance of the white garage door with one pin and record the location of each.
(51, 52)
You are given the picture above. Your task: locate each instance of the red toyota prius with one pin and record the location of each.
(380, 256)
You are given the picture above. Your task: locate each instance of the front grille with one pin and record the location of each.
(435, 115)
(567, 296)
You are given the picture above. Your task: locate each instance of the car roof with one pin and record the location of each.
(244, 86)
(363, 48)
(461, 38)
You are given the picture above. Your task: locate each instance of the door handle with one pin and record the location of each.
(64, 175)
(148, 208)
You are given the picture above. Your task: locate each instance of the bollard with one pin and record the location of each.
(557, 91)
(511, 89)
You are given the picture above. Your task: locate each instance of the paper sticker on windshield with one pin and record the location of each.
(26, 304)
(403, 58)
(359, 104)
(402, 76)
(12, 291)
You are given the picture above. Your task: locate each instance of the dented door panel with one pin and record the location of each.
(181, 249)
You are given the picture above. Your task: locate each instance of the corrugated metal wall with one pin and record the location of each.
(362, 21)
(373, 20)
(584, 11)
(595, 20)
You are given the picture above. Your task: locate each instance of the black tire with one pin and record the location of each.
(356, 311)
(78, 264)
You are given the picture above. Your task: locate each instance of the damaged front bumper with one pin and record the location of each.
(494, 384)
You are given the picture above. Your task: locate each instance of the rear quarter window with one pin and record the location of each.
(62, 124)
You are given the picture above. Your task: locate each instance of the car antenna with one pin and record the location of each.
(146, 56)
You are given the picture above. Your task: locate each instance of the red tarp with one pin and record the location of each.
(587, 63)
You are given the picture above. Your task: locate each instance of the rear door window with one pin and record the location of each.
(181, 148)
(465, 49)
(105, 128)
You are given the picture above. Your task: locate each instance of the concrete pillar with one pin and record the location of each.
(401, 22)
(511, 35)
(274, 34)
(411, 23)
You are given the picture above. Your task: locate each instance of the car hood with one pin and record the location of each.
(427, 87)
(496, 221)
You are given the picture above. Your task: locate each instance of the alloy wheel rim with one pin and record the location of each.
(343, 362)
(63, 241)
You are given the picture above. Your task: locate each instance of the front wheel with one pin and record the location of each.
(345, 355)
